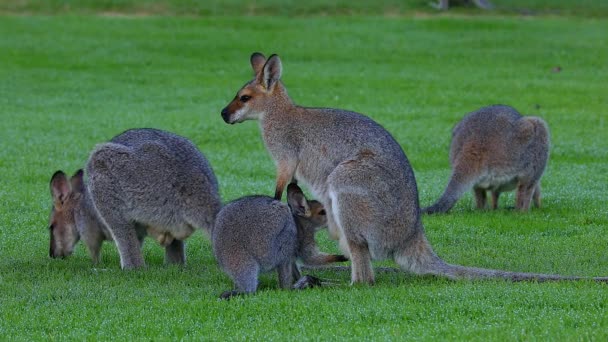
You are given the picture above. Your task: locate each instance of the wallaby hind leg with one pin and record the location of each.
(175, 253)
(480, 197)
(523, 196)
(361, 263)
(495, 195)
(536, 195)
(128, 245)
(286, 274)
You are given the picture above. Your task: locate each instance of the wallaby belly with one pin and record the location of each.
(497, 182)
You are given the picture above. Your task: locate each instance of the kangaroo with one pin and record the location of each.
(143, 182)
(496, 149)
(256, 234)
(357, 171)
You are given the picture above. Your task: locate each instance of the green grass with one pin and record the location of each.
(68, 82)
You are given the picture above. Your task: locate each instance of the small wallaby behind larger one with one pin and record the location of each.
(142, 182)
(356, 169)
(257, 234)
(496, 149)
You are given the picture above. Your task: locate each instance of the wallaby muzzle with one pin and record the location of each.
(226, 116)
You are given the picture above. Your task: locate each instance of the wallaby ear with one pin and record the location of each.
(60, 188)
(257, 62)
(77, 182)
(271, 73)
(297, 201)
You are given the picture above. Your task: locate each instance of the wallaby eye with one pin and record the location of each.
(322, 212)
(245, 98)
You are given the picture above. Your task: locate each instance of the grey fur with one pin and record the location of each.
(148, 182)
(257, 234)
(355, 168)
(496, 149)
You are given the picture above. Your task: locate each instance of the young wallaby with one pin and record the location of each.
(356, 169)
(496, 149)
(257, 234)
(142, 182)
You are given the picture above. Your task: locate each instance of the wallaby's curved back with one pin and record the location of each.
(354, 167)
(496, 149)
(143, 182)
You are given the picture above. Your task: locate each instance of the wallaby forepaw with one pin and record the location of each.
(226, 295)
(307, 282)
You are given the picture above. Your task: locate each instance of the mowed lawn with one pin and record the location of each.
(68, 82)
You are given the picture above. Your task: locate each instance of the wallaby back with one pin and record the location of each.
(353, 166)
(256, 234)
(144, 182)
(496, 149)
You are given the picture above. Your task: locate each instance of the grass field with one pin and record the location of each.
(74, 79)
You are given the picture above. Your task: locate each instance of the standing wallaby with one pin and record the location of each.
(142, 182)
(356, 169)
(257, 234)
(496, 149)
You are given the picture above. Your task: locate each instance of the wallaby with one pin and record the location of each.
(496, 149)
(358, 172)
(142, 182)
(257, 234)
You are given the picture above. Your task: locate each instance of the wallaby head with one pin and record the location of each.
(310, 214)
(67, 196)
(254, 99)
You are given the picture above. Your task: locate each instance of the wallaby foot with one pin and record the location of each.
(175, 253)
(480, 197)
(361, 267)
(307, 282)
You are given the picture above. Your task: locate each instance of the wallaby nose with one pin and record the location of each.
(226, 115)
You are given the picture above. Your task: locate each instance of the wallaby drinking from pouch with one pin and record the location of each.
(358, 172)
(142, 182)
(496, 149)
(257, 234)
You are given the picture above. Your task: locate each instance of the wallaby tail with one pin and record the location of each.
(464, 272)
(419, 258)
(455, 189)
(323, 259)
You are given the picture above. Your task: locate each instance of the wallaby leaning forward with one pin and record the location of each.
(358, 172)
(496, 149)
(142, 182)
(256, 234)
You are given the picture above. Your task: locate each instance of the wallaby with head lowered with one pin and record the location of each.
(257, 234)
(142, 182)
(356, 169)
(496, 149)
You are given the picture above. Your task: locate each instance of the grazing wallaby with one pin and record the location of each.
(257, 234)
(496, 149)
(142, 182)
(356, 169)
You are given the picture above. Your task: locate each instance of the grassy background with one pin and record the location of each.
(72, 80)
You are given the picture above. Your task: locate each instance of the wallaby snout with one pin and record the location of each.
(226, 115)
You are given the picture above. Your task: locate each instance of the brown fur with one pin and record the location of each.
(495, 149)
(349, 162)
